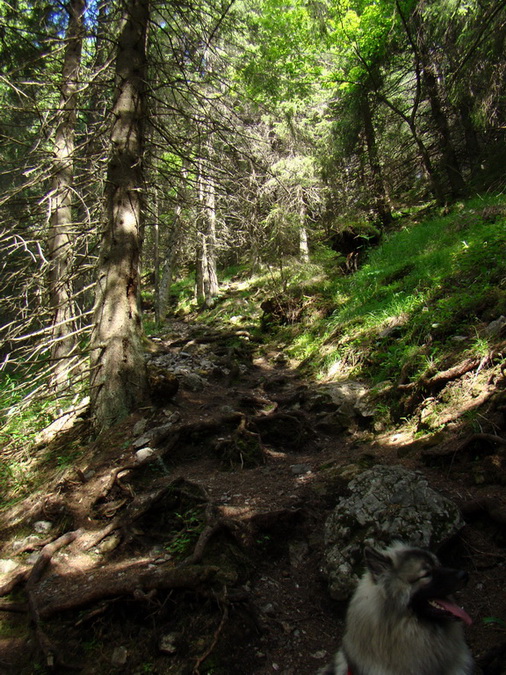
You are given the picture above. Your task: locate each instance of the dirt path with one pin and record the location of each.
(248, 458)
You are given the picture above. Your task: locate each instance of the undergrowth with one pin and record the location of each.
(421, 299)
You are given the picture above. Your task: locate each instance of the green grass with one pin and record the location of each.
(24, 465)
(437, 280)
(419, 300)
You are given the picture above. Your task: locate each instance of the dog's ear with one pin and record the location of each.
(377, 563)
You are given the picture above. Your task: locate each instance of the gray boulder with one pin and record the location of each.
(387, 503)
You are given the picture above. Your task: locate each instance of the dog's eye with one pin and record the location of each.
(425, 575)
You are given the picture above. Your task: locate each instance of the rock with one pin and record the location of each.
(496, 327)
(350, 402)
(387, 503)
(7, 566)
(26, 542)
(143, 454)
(169, 643)
(142, 440)
(192, 381)
(140, 426)
(298, 469)
(42, 526)
(297, 551)
(119, 656)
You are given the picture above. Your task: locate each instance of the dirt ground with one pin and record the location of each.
(250, 458)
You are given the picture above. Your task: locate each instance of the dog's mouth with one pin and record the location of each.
(443, 608)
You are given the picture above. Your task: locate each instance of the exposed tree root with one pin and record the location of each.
(452, 448)
(77, 589)
(210, 649)
(15, 607)
(49, 651)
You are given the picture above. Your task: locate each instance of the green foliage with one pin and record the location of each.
(422, 290)
(283, 60)
(25, 463)
(189, 525)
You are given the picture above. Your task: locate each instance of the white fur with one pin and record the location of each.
(384, 637)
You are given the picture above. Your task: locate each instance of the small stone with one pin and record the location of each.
(269, 609)
(169, 643)
(319, 655)
(298, 469)
(119, 656)
(143, 440)
(140, 426)
(42, 526)
(143, 454)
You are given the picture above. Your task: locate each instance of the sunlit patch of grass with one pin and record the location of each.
(430, 279)
(24, 461)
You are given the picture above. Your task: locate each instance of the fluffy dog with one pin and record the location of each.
(402, 620)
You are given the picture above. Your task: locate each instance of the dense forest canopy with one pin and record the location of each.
(143, 141)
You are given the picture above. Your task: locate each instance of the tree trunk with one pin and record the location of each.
(450, 161)
(118, 372)
(473, 149)
(429, 73)
(61, 235)
(207, 278)
(382, 206)
(303, 243)
(167, 266)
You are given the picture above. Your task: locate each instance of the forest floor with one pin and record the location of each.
(239, 485)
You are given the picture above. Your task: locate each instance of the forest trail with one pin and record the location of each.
(235, 467)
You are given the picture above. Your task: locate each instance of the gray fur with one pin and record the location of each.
(384, 633)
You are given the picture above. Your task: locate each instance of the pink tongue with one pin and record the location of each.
(455, 610)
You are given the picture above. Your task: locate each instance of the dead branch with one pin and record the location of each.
(440, 379)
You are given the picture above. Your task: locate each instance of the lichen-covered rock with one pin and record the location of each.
(386, 503)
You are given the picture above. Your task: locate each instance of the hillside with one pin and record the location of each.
(189, 537)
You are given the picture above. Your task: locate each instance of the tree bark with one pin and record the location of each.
(303, 242)
(450, 161)
(207, 278)
(167, 266)
(429, 72)
(382, 206)
(61, 231)
(118, 372)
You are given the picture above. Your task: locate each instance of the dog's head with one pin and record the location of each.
(413, 579)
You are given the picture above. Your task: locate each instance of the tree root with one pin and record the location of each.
(36, 573)
(216, 636)
(77, 589)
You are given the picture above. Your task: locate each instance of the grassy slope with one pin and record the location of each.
(420, 303)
